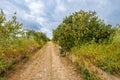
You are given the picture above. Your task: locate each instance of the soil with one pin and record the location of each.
(46, 64)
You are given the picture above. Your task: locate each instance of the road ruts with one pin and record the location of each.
(46, 64)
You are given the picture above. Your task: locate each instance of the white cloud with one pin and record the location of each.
(41, 20)
(36, 7)
(49, 13)
(47, 31)
(70, 1)
(27, 0)
(60, 7)
(44, 30)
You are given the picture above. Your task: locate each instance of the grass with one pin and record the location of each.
(16, 44)
(87, 75)
(3, 79)
(20, 49)
(104, 56)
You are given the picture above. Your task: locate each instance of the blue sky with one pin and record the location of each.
(45, 15)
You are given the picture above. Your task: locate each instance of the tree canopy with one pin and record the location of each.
(81, 27)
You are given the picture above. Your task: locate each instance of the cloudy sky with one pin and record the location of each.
(45, 15)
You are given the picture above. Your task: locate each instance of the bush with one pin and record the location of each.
(104, 56)
(81, 28)
(15, 44)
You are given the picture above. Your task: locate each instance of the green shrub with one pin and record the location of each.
(3, 78)
(81, 28)
(15, 44)
(104, 56)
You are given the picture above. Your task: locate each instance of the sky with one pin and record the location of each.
(46, 15)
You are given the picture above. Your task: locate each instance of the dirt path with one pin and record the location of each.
(46, 64)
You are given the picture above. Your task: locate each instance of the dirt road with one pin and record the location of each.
(46, 64)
